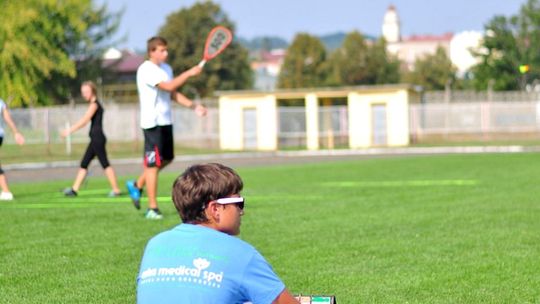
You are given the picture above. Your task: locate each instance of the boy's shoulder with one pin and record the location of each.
(201, 234)
(148, 65)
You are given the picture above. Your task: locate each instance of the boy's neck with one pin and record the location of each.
(154, 61)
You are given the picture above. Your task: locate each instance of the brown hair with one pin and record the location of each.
(92, 86)
(154, 42)
(200, 184)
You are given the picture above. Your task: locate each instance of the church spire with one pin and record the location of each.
(391, 25)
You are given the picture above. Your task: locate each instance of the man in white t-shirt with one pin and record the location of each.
(157, 88)
(6, 195)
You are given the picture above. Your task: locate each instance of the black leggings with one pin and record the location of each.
(95, 148)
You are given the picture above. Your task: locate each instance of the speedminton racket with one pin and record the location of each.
(218, 39)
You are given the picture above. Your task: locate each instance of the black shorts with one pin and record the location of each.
(158, 145)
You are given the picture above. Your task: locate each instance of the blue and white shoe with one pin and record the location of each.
(152, 214)
(134, 193)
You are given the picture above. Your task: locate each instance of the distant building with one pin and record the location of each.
(267, 64)
(266, 67)
(391, 27)
(460, 50)
(118, 81)
(409, 49)
(122, 65)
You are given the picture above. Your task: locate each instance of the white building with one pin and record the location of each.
(460, 50)
(267, 69)
(409, 49)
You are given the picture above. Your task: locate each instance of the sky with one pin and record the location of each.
(284, 18)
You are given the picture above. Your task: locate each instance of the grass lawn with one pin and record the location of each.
(432, 229)
(12, 154)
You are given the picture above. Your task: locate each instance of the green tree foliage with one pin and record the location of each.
(357, 63)
(509, 43)
(383, 68)
(304, 65)
(433, 71)
(86, 50)
(39, 40)
(348, 63)
(186, 31)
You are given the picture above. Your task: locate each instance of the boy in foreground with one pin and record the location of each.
(201, 260)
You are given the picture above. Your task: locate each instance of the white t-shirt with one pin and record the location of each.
(155, 103)
(2, 108)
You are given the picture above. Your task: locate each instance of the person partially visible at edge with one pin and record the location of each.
(157, 88)
(96, 147)
(202, 260)
(6, 194)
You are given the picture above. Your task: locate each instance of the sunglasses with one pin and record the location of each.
(239, 201)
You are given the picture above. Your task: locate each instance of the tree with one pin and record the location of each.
(383, 68)
(186, 31)
(509, 43)
(36, 39)
(356, 63)
(433, 72)
(348, 63)
(304, 65)
(87, 51)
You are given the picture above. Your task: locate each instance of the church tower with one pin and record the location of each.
(391, 25)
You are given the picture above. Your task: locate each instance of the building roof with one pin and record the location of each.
(127, 63)
(320, 92)
(429, 38)
(274, 56)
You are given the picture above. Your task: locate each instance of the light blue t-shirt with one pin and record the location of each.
(196, 264)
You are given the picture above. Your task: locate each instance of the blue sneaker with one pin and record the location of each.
(134, 193)
(153, 214)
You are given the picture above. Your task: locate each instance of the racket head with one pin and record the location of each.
(218, 39)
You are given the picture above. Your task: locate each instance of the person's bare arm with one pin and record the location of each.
(92, 108)
(285, 297)
(19, 138)
(179, 80)
(188, 103)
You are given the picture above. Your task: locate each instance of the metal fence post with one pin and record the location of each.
(68, 139)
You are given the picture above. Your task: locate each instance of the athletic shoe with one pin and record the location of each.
(152, 214)
(114, 194)
(134, 193)
(70, 192)
(6, 196)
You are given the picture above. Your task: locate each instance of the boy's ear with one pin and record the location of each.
(212, 212)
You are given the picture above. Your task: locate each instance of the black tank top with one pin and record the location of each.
(96, 127)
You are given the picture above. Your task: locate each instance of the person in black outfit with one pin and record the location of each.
(97, 141)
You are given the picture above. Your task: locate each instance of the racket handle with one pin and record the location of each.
(202, 63)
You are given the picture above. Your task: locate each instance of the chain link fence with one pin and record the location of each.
(120, 122)
(475, 121)
(449, 121)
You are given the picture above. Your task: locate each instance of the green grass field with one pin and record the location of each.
(432, 229)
